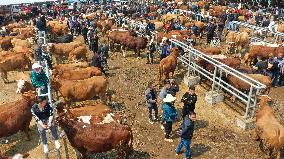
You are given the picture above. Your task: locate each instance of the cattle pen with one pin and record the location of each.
(216, 77)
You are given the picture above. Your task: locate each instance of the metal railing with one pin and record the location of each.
(42, 41)
(220, 70)
(276, 34)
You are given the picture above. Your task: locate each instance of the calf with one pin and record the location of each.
(78, 53)
(16, 115)
(268, 130)
(97, 138)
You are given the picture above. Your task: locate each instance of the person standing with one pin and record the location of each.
(151, 50)
(186, 133)
(169, 115)
(43, 114)
(84, 33)
(174, 88)
(211, 29)
(151, 101)
(163, 49)
(95, 44)
(189, 100)
(90, 37)
(38, 78)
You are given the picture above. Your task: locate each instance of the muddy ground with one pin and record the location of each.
(215, 136)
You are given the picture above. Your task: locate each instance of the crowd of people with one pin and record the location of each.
(169, 113)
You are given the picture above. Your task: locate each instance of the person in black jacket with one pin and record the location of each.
(151, 101)
(43, 114)
(211, 29)
(151, 50)
(189, 99)
(186, 133)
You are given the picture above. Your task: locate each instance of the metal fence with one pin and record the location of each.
(220, 70)
(276, 35)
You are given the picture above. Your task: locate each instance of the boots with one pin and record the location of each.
(45, 150)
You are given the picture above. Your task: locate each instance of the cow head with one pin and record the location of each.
(20, 86)
(264, 100)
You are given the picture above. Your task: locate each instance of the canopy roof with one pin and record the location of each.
(9, 2)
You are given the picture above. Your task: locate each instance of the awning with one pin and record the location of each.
(9, 2)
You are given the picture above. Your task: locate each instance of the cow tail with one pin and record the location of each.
(131, 140)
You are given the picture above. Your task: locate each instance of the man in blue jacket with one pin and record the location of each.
(187, 128)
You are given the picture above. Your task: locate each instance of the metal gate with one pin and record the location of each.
(220, 70)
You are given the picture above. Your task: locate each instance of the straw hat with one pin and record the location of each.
(36, 65)
(169, 98)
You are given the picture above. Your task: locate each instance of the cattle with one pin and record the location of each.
(280, 28)
(65, 49)
(80, 90)
(20, 111)
(78, 74)
(78, 53)
(211, 50)
(18, 42)
(26, 32)
(134, 43)
(268, 129)
(105, 25)
(24, 84)
(6, 43)
(263, 51)
(71, 66)
(10, 27)
(240, 40)
(266, 80)
(57, 29)
(243, 86)
(92, 114)
(168, 64)
(13, 62)
(16, 156)
(115, 36)
(62, 39)
(89, 138)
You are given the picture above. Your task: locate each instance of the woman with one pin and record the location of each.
(38, 78)
(43, 114)
(169, 115)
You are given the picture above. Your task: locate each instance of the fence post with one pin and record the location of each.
(254, 103)
(247, 115)
(189, 61)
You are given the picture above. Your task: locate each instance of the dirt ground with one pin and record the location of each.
(215, 135)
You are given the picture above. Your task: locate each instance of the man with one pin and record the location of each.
(187, 128)
(211, 29)
(97, 61)
(194, 30)
(276, 72)
(90, 36)
(103, 50)
(260, 65)
(95, 44)
(150, 53)
(174, 88)
(84, 33)
(189, 99)
(151, 101)
(169, 115)
(165, 90)
(163, 49)
(38, 78)
(43, 114)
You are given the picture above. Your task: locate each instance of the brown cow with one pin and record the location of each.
(263, 51)
(168, 64)
(92, 114)
(80, 90)
(13, 62)
(78, 53)
(71, 66)
(97, 138)
(20, 111)
(268, 129)
(78, 74)
(6, 43)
